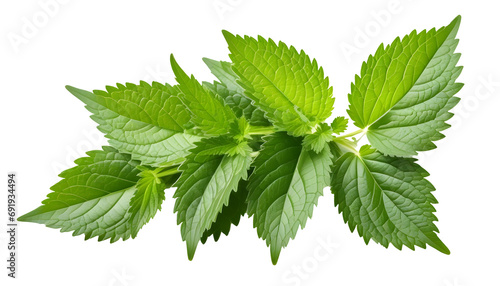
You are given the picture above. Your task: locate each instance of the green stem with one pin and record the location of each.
(349, 135)
(360, 137)
(261, 130)
(347, 145)
(168, 172)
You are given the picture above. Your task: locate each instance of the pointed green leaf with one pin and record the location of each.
(224, 72)
(204, 189)
(224, 145)
(147, 121)
(149, 195)
(233, 93)
(240, 130)
(94, 198)
(387, 199)
(284, 188)
(405, 91)
(339, 124)
(319, 139)
(230, 214)
(290, 88)
(208, 111)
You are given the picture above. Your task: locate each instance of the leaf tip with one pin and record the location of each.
(173, 62)
(226, 33)
(86, 97)
(190, 252)
(180, 75)
(211, 64)
(228, 36)
(31, 216)
(208, 61)
(24, 218)
(191, 248)
(275, 254)
(454, 25)
(441, 247)
(447, 251)
(456, 21)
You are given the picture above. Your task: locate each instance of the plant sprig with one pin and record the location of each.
(257, 142)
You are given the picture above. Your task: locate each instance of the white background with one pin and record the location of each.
(90, 44)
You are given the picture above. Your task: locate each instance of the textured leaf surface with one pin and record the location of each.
(224, 145)
(208, 111)
(149, 195)
(387, 199)
(233, 93)
(230, 214)
(148, 122)
(290, 88)
(339, 124)
(204, 189)
(284, 188)
(92, 198)
(318, 140)
(405, 91)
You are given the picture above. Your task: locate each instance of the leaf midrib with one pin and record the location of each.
(395, 205)
(413, 84)
(105, 108)
(294, 107)
(97, 199)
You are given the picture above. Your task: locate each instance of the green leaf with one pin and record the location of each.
(224, 72)
(240, 130)
(339, 124)
(387, 199)
(233, 93)
(203, 189)
(147, 121)
(223, 145)
(230, 214)
(319, 139)
(405, 91)
(93, 198)
(284, 188)
(150, 194)
(290, 88)
(209, 113)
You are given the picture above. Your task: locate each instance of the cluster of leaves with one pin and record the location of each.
(256, 142)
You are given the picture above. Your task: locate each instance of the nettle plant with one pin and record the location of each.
(256, 142)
